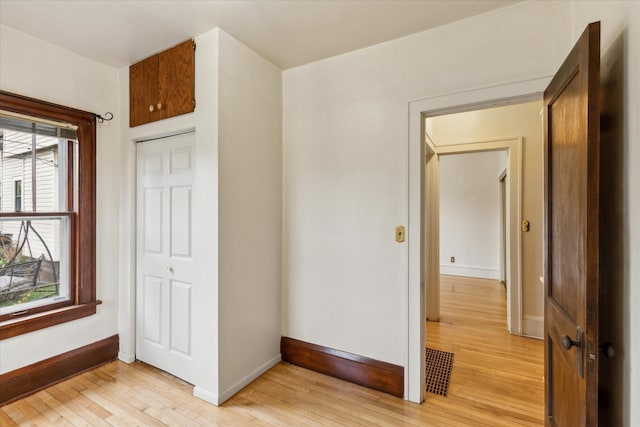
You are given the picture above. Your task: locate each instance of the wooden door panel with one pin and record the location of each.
(143, 88)
(572, 149)
(561, 324)
(563, 384)
(177, 79)
(566, 183)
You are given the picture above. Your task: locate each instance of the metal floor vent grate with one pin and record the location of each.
(438, 367)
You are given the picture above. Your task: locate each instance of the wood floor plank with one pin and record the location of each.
(6, 420)
(26, 412)
(42, 402)
(497, 380)
(80, 405)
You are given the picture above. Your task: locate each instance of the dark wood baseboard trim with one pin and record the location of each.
(350, 367)
(29, 379)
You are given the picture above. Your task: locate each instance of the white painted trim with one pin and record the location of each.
(126, 357)
(506, 93)
(494, 144)
(503, 94)
(228, 393)
(432, 236)
(414, 372)
(470, 271)
(206, 395)
(502, 181)
(533, 326)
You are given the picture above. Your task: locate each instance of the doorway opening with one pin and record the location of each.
(470, 220)
(421, 226)
(474, 215)
(470, 155)
(469, 312)
(466, 157)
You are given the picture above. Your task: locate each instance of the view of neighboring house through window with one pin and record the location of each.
(35, 220)
(17, 191)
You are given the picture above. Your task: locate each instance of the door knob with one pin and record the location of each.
(567, 342)
(170, 270)
(608, 350)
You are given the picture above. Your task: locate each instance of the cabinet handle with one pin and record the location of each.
(159, 106)
(151, 108)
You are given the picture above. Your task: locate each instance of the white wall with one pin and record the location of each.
(250, 214)
(345, 174)
(345, 166)
(74, 81)
(470, 214)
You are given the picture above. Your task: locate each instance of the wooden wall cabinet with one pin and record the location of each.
(163, 85)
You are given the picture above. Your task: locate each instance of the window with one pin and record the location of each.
(17, 193)
(47, 238)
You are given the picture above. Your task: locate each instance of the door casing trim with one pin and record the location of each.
(506, 93)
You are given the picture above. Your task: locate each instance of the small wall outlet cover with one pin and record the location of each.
(453, 259)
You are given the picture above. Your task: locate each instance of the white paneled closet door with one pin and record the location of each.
(164, 254)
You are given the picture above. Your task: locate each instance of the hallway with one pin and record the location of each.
(497, 378)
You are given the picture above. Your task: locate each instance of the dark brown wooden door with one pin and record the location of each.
(572, 147)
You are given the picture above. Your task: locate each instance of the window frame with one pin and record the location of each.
(82, 249)
(17, 180)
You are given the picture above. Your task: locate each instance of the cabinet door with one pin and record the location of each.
(143, 91)
(176, 71)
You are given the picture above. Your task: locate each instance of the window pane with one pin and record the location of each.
(51, 174)
(33, 268)
(53, 160)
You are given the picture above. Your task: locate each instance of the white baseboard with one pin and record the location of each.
(533, 326)
(219, 399)
(206, 395)
(126, 357)
(470, 271)
(228, 393)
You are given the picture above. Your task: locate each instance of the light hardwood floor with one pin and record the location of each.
(496, 381)
(498, 375)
